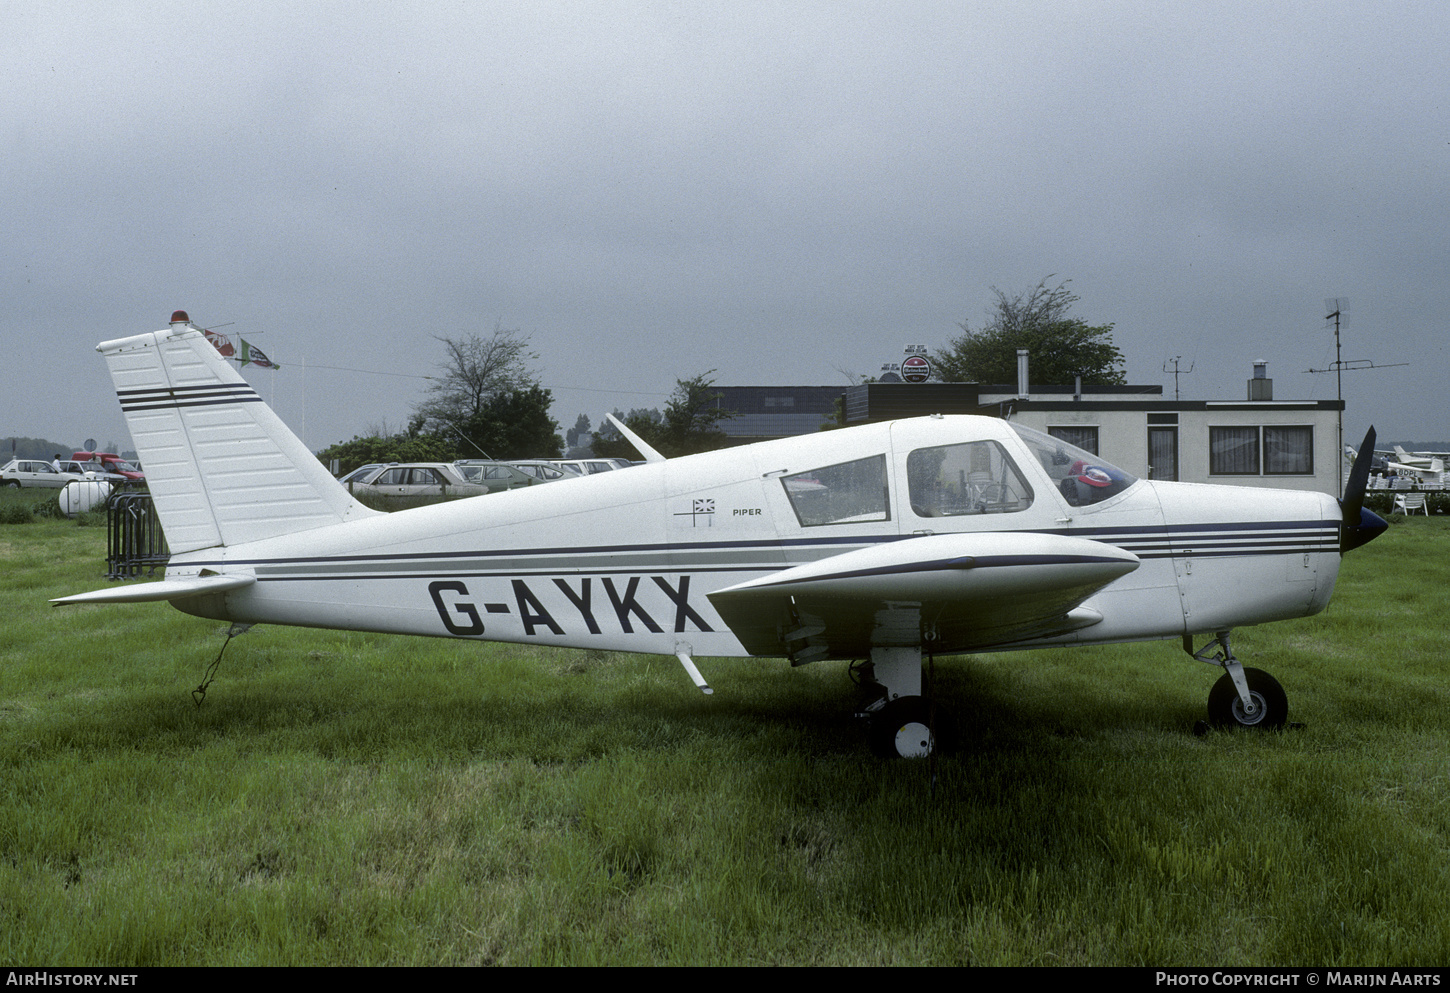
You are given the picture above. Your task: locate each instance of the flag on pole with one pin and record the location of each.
(251, 353)
(222, 342)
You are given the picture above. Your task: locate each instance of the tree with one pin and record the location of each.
(687, 425)
(511, 424)
(393, 448)
(475, 370)
(692, 416)
(1059, 347)
(488, 399)
(578, 438)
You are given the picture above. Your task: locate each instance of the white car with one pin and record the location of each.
(93, 470)
(495, 475)
(415, 479)
(543, 470)
(360, 473)
(587, 467)
(35, 472)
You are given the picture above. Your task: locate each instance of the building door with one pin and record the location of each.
(1163, 453)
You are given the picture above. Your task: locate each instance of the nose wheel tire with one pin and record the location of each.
(1271, 705)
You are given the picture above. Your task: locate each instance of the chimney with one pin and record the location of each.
(1022, 374)
(1261, 387)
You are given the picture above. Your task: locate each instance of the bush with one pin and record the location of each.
(15, 513)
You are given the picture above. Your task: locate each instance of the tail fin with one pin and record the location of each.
(222, 467)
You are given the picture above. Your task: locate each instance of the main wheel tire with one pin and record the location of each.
(1225, 709)
(904, 729)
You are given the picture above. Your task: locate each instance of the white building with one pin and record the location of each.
(1253, 442)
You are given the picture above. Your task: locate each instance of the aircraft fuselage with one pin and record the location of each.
(627, 560)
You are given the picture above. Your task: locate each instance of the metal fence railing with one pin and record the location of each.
(135, 544)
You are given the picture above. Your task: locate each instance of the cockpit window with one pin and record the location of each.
(1082, 478)
(976, 477)
(846, 493)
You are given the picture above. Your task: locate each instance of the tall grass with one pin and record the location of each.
(343, 798)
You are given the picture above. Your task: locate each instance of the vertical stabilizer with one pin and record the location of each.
(222, 467)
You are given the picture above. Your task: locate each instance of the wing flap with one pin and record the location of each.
(953, 592)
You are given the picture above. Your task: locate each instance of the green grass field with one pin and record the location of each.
(343, 798)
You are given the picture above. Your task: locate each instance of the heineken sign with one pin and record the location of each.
(915, 369)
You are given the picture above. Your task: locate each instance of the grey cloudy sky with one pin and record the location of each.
(778, 191)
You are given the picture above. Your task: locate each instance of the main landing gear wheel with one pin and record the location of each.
(903, 729)
(1271, 705)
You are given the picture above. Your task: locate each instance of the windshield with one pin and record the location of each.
(1081, 477)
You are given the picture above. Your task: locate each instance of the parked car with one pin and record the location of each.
(93, 470)
(416, 479)
(356, 476)
(113, 463)
(495, 475)
(587, 467)
(35, 472)
(543, 470)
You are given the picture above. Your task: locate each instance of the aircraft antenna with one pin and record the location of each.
(1176, 372)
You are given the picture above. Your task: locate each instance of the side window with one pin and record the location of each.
(977, 477)
(847, 493)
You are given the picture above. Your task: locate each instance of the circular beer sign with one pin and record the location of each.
(916, 369)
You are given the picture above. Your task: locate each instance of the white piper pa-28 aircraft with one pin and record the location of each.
(944, 534)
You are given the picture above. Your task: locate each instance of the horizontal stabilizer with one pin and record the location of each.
(167, 589)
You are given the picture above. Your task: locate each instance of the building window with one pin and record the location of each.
(1289, 451)
(1233, 451)
(1268, 451)
(1078, 436)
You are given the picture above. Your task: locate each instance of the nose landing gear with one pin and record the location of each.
(1242, 697)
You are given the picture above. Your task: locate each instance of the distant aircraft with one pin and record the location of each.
(942, 534)
(1425, 465)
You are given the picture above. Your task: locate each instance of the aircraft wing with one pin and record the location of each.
(944, 592)
(166, 589)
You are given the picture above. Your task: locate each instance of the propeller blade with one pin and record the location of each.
(1358, 525)
(1354, 487)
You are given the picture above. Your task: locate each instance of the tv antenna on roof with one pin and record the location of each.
(1338, 312)
(1175, 360)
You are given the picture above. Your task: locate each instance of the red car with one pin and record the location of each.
(113, 463)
